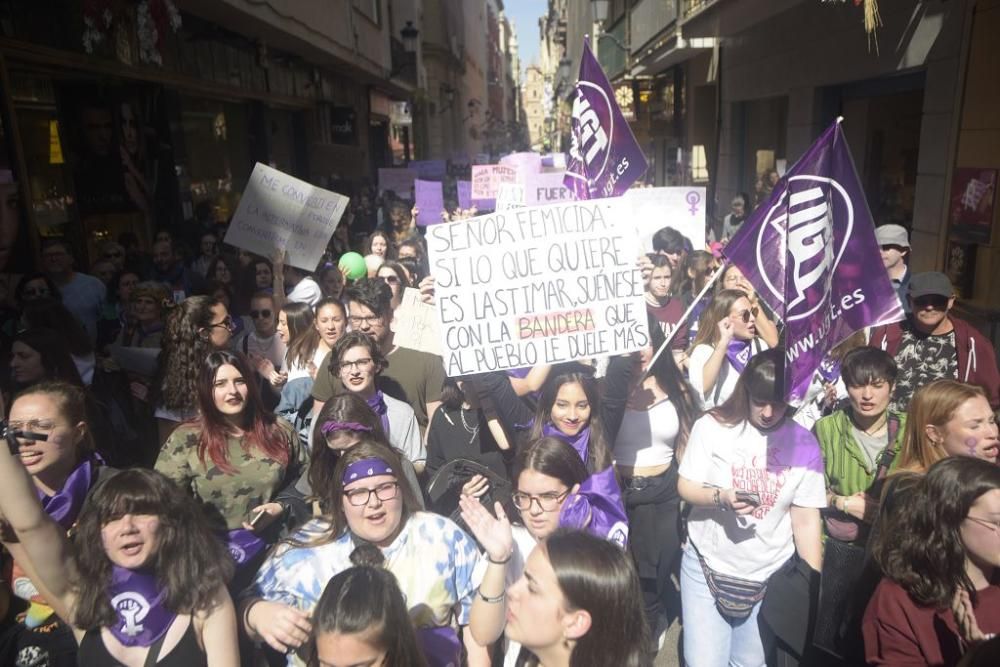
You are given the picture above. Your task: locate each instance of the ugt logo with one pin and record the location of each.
(593, 127)
(132, 608)
(806, 208)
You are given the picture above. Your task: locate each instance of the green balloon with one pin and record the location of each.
(354, 264)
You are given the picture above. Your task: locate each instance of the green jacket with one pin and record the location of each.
(846, 468)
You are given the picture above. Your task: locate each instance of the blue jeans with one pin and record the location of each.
(710, 640)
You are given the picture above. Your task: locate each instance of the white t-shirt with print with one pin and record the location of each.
(783, 466)
(696, 365)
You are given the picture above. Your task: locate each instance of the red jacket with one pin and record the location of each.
(977, 364)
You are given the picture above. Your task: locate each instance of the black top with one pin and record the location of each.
(187, 653)
(463, 434)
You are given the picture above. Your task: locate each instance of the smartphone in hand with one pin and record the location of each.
(749, 497)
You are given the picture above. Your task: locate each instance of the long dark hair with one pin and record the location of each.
(303, 338)
(365, 600)
(598, 451)
(921, 547)
(343, 408)
(675, 385)
(191, 563)
(331, 495)
(259, 424)
(56, 359)
(52, 314)
(761, 381)
(596, 576)
(182, 350)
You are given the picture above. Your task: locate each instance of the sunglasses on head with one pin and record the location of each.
(747, 315)
(257, 314)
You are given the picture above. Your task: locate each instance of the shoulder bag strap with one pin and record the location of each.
(154, 650)
(889, 453)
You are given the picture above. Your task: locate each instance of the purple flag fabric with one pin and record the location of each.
(604, 157)
(464, 194)
(597, 508)
(429, 202)
(811, 254)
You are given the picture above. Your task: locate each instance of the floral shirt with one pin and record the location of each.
(432, 558)
(229, 497)
(921, 360)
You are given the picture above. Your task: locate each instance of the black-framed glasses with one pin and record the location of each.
(226, 324)
(370, 320)
(33, 425)
(748, 314)
(257, 314)
(359, 364)
(361, 497)
(994, 525)
(935, 301)
(547, 502)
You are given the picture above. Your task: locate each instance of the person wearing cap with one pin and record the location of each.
(895, 246)
(932, 344)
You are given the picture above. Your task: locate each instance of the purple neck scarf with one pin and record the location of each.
(139, 603)
(65, 505)
(440, 646)
(243, 545)
(739, 352)
(580, 441)
(378, 406)
(597, 508)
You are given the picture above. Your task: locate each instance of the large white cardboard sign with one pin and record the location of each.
(682, 208)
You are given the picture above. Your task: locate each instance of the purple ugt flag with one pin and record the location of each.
(811, 254)
(604, 157)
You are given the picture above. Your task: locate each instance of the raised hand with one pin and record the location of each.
(494, 534)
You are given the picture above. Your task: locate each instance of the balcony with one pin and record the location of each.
(649, 18)
(692, 7)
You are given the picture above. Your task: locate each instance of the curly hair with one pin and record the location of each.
(191, 563)
(182, 351)
(331, 494)
(921, 548)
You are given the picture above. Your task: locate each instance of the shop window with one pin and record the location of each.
(699, 164)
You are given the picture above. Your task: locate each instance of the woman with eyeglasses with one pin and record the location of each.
(733, 278)
(57, 451)
(754, 481)
(195, 327)
(34, 287)
(369, 504)
(941, 593)
(396, 278)
(726, 340)
(359, 362)
(234, 457)
(547, 472)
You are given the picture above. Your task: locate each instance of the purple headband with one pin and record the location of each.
(365, 468)
(330, 427)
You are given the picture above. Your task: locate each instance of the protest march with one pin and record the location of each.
(522, 408)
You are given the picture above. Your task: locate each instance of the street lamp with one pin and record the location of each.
(601, 9)
(409, 35)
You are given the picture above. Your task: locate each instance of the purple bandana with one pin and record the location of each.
(829, 369)
(440, 646)
(378, 406)
(138, 602)
(580, 441)
(333, 426)
(365, 468)
(64, 506)
(739, 353)
(243, 545)
(597, 508)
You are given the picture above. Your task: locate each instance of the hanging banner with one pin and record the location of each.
(604, 157)
(537, 285)
(278, 211)
(811, 254)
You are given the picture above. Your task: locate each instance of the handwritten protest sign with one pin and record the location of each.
(278, 211)
(429, 170)
(415, 324)
(429, 202)
(464, 194)
(537, 285)
(546, 188)
(510, 195)
(486, 180)
(682, 208)
(394, 179)
(524, 163)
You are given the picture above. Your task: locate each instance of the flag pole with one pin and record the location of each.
(687, 313)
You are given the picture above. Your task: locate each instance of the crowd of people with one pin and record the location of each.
(216, 458)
